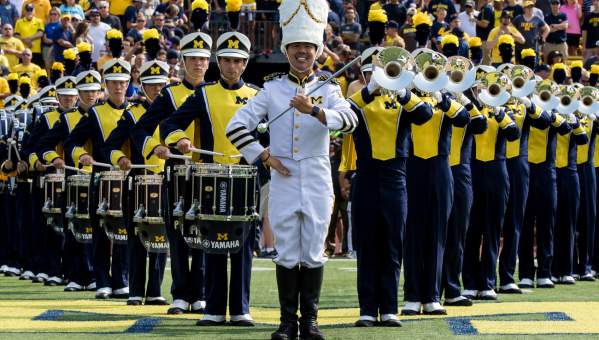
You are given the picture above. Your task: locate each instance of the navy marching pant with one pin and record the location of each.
(23, 227)
(540, 212)
(39, 229)
(518, 172)
(3, 228)
(594, 237)
(137, 269)
(456, 230)
(379, 210)
(430, 195)
(568, 196)
(188, 283)
(239, 283)
(10, 218)
(491, 187)
(585, 225)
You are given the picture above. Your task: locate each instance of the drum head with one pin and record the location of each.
(153, 237)
(82, 231)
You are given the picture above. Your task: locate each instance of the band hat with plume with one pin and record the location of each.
(154, 72)
(303, 21)
(528, 52)
(58, 66)
(233, 44)
(117, 69)
(367, 57)
(24, 80)
(89, 81)
(196, 44)
(84, 47)
(450, 39)
(66, 86)
(114, 34)
(199, 4)
(475, 42)
(70, 53)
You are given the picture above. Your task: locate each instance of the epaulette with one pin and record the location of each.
(252, 86)
(325, 78)
(274, 76)
(173, 84)
(206, 83)
(71, 110)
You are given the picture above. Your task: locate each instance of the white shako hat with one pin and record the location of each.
(154, 72)
(303, 21)
(89, 81)
(233, 44)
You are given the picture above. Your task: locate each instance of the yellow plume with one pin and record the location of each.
(450, 39)
(114, 34)
(378, 15)
(201, 4)
(233, 6)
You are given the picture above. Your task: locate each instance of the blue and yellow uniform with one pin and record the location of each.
(188, 284)
(379, 195)
(518, 171)
(490, 187)
(430, 193)
(568, 197)
(91, 133)
(585, 225)
(459, 161)
(213, 105)
(49, 147)
(136, 252)
(541, 202)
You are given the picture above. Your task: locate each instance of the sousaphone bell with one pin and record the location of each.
(494, 89)
(589, 101)
(431, 75)
(568, 99)
(545, 95)
(394, 69)
(461, 72)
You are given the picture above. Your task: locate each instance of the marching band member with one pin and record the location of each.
(379, 192)
(490, 187)
(50, 148)
(153, 77)
(214, 104)
(430, 195)
(94, 128)
(67, 98)
(188, 283)
(459, 160)
(301, 192)
(541, 203)
(525, 114)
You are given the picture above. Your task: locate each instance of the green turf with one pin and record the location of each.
(339, 290)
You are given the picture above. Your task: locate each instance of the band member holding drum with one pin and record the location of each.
(94, 128)
(379, 204)
(213, 104)
(88, 86)
(188, 283)
(301, 191)
(67, 99)
(153, 76)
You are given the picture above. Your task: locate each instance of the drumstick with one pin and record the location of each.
(143, 166)
(105, 165)
(186, 158)
(13, 144)
(76, 169)
(236, 156)
(205, 152)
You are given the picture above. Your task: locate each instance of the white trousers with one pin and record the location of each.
(300, 208)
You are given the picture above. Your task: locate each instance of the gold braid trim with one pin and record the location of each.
(304, 4)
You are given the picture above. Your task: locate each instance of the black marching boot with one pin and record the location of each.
(310, 285)
(288, 286)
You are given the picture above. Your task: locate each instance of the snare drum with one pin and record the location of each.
(182, 174)
(148, 199)
(78, 197)
(111, 188)
(54, 201)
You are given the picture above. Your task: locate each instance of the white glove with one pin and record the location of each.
(591, 116)
(401, 94)
(437, 96)
(527, 103)
(464, 100)
(372, 86)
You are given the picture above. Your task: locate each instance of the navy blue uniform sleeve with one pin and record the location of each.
(477, 124)
(541, 123)
(511, 132)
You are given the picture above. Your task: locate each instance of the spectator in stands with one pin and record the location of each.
(554, 57)
(594, 59)
(11, 46)
(8, 13)
(350, 29)
(26, 66)
(163, 8)
(131, 13)
(573, 12)
(82, 33)
(392, 37)
(558, 23)
(158, 21)
(484, 24)
(531, 27)
(108, 18)
(395, 11)
(447, 5)
(31, 30)
(505, 28)
(498, 8)
(71, 7)
(468, 19)
(590, 31)
(514, 8)
(64, 37)
(408, 31)
(50, 33)
(41, 9)
(543, 7)
(140, 26)
(97, 32)
(439, 27)
(117, 9)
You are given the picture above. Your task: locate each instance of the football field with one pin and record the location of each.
(33, 311)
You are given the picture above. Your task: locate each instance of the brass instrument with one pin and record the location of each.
(494, 89)
(568, 99)
(431, 75)
(545, 95)
(394, 69)
(523, 82)
(589, 101)
(461, 72)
